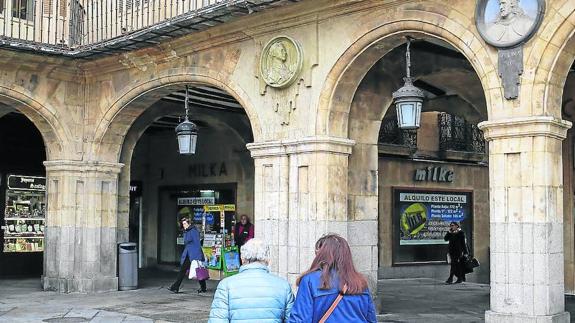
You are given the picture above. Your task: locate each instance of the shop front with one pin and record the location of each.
(416, 208)
(22, 197)
(212, 210)
(216, 223)
(23, 224)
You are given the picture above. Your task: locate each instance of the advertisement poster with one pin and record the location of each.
(212, 257)
(424, 216)
(193, 208)
(232, 260)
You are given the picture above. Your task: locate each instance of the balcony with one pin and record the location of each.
(88, 28)
(442, 136)
(395, 141)
(460, 139)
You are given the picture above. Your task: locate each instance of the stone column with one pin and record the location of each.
(80, 247)
(526, 219)
(300, 194)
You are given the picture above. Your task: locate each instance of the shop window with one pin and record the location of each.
(457, 134)
(2, 6)
(420, 221)
(390, 134)
(77, 17)
(22, 9)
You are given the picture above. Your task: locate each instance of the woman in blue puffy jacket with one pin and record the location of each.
(253, 295)
(192, 251)
(332, 273)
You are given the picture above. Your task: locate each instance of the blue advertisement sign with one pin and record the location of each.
(424, 217)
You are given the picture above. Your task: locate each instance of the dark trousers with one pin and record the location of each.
(182, 274)
(457, 268)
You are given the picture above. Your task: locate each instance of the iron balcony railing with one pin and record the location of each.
(457, 134)
(75, 23)
(390, 134)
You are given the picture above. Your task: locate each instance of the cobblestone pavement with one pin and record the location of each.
(22, 300)
(402, 300)
(430, 300)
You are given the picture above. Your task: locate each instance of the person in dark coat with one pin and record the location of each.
(457, 249)
(192, 251)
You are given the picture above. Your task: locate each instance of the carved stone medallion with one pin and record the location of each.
(507, 23)
(281, 62)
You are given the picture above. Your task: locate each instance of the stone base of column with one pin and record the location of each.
(80, 285)
(494, 317)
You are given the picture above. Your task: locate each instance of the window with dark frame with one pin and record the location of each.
(22, 9)
(425, 253)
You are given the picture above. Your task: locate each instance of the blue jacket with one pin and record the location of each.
(252, 295)
(311, 303)
(192, 247)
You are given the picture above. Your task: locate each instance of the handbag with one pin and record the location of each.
(202, 273)
(469, 263)
(333, 305)
(193, 266)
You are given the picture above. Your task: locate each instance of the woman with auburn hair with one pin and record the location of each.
(332, 290)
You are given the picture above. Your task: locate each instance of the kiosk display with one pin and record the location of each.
(216, 225)
(219, 246)
(24, 214)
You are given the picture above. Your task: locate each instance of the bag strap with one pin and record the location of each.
(333, 305)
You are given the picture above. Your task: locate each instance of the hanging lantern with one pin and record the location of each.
(408, 99)
(187, 133)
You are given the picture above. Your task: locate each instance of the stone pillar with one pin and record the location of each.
(80, 247)
(300, 194)
(526, 219)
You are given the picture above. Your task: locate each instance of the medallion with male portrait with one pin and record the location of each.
(281, 62)
(507, 23)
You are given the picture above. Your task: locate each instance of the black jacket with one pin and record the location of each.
(457, 244)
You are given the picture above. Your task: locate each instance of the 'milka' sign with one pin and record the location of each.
(434, 174)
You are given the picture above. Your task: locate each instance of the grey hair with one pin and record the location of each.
(255, 250)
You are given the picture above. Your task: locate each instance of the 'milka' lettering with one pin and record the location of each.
(434, 174)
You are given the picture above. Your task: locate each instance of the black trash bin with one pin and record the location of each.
(127, 266)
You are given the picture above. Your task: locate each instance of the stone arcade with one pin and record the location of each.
(315, 112)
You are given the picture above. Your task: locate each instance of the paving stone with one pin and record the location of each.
(87, 314)
(402, 300)
(108, 319)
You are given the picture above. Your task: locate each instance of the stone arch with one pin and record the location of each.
(134, 100)
(131, 139)
(43, 116)
(344, 78)
(552, 56)
(343, 109)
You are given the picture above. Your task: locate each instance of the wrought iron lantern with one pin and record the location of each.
(408, 99)
(187, 133)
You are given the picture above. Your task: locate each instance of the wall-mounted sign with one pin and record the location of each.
(196, 200)
(208, 170)
(434, 174)
(135, 188)
(424, 217)
(31, 183)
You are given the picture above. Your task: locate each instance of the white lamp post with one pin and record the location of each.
(408, 99)
(187, 133)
